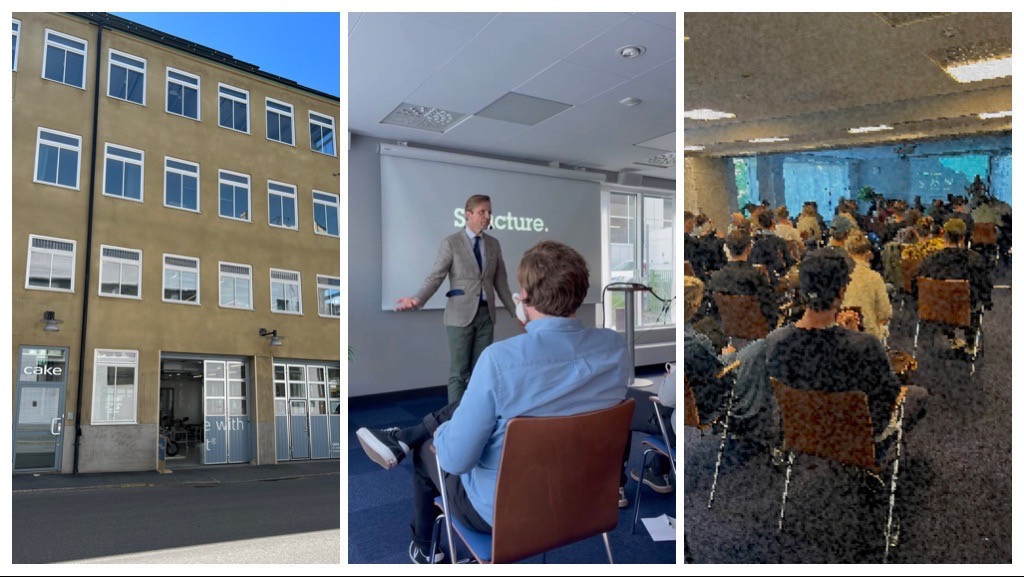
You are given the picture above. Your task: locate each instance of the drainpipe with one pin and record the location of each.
(88, 247)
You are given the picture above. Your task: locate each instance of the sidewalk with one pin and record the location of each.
(208, 475)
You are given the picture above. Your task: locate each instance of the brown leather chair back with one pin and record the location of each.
(741, 316)
(691, 418)
(908, 270)
(688, 268)
(944, 301)
(830, 425)
(984, 233)
(558, 481)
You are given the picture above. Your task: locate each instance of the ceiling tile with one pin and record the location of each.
(553, 33)
(464, 21)
(476, 131)
(568, 82)
(599, 53)
(663, 19)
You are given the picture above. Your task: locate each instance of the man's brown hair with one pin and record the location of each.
(473, 201)
(555, 278)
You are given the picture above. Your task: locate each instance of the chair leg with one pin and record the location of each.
(977, 340)
(892, 485)
(608, 548)
(721, 450)
(447, 519)
(636, 496)
(785, 489)
(917, 331)
(435, 535)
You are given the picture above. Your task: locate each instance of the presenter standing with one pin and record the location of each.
(476, 271)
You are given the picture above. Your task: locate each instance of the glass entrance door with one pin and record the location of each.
(39, 409)
(226, 417)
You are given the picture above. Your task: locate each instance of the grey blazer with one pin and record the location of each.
(455, 260)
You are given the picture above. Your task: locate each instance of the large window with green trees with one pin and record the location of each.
(641, 237)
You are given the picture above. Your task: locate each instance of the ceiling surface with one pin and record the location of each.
(464, 62)
(811, 77)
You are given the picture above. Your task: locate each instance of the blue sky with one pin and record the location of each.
(300, 46)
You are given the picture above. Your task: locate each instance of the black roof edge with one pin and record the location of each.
(178, 43)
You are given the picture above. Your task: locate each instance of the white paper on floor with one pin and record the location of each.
(661, 528)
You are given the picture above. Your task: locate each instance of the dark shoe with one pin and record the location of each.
(659, 483)
(382, 446)
(419, 557)
(623, 501)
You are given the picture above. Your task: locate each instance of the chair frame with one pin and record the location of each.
(692, 419)
(654, 450)
(949, 292)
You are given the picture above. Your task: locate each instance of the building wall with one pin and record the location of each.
(149, 325)
(705, 188)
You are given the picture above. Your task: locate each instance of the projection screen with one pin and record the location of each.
(424, 192)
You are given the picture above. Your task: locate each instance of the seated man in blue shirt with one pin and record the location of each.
(557, 368)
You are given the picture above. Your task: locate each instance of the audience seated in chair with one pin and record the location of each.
(540, 373)
(739, 277)
(867, 289)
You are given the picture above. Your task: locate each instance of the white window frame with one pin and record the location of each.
(198, 88)
(84, 52)
(248, 188)
(16, 40)
(322, 123)
(220, 276)
(220, 94)
(121, 262)
(132, 67)
(59, 145)
(290, 114)
(130, 360)
(51, 252)
(296, 282)
(141, 163)
(183, 173)
(184, 269)
(336, 204)
(292, 192)
(324, 281)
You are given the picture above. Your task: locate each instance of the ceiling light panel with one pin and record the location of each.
(982, 60)
(423, 118)
(768, 139)
(862, 129)
(522, 109)
(1000, 114)
(707, 114)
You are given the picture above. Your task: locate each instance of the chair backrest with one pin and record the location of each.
(983, 233)
(741, 316)
(944, 301)
(691, 417)
(908, 270)
(831, 425)
(558, 481)
(688, 269)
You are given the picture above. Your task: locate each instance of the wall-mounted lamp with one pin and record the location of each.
(51, 323)
(275, 341)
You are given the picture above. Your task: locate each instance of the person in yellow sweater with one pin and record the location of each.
(866, 290)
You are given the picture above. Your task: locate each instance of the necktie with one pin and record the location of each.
(479, 262)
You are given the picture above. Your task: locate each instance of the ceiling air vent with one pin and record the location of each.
(423, 118)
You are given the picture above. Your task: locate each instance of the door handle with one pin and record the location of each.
(55, 426)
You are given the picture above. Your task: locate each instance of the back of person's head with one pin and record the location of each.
(476, 199)
(824, 273)
(766, 219)
(858, 244)
(555, 278)
(954, 230)
(688, 216)
(701, 219)
(782, 213)
(737, 242)
(841, 227)
(913, 215)
(925, 226)
(693, 295)
(808, 209)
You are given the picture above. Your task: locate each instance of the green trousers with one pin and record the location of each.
(466, 343)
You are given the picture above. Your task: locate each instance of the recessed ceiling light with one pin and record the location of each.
(1000, 114)
(769, 139)
(630, 51)
(692, 148)
(861, 129)
(630, 101)
(981, 60)
(983, 70)
(707, 114)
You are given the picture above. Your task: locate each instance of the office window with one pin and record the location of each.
(641, 250)
(16, 35)
(126, 77)
(51, 264)
(182, 93)
(321, 134)
(328, 295)
(115, 386)
(285, 291)
(234, 195)
(823, 182)
(181, 184)
(122, 174)
(234, 108)
(281, 204)
(280, 125)
(325, 213)
(235, 285)
(120, 272)
(64, 59)
(181, 279)
(57, 158)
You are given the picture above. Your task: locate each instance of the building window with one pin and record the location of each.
(280, 122)
(325, 213)
(127, 77)
(641, 250)
(235, 286)
(122, 175)
(181, 184)
(57, 158)
(321, 134)
(120, 272)
(182, 94)
(285, 291)
(234, 195)
(234, 108)
(64, 59)
(51, 264)
(16, 35)
(181, 279)
(115, 384)
(328, 296)
(281, 203)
